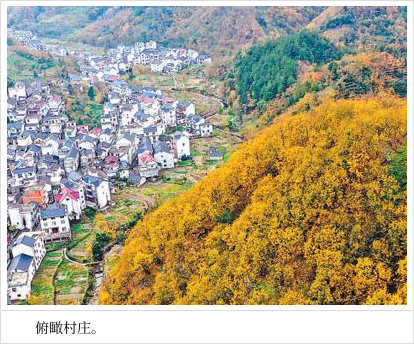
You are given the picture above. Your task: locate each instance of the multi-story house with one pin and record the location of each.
(28, 252)
(71, 199)
(54, 222)
(181, 144)
(97, 192)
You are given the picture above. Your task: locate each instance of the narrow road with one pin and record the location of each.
(65, 255)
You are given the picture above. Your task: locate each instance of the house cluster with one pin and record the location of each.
(108, 68)
(143, 131)
(56, 168)
(118, 60)
(47, 184)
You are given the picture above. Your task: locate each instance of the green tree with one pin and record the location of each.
(91, 93)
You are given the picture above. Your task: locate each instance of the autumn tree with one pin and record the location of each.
(311, 211)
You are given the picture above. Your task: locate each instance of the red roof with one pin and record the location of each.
(112, 78)
(111, 159)
(61, 196)
(146, 100)
(96, 131)
(83, 128)
(56, 98)
(168, 100)
(146, 158)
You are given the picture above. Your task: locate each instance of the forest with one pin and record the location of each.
(268, 69)
(311, 211)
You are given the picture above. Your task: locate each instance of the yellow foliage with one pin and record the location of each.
(311, 217)
(104, 225)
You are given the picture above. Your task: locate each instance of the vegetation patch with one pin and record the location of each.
(42, 284)
(70, 282)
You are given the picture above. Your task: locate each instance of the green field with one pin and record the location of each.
(22, 66)
(81, 239)
(71, 282)
(42, 285)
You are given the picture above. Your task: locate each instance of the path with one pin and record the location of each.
(65, 255)
(212, 113)
(54, 278)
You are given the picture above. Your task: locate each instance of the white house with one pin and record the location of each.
(163, 155)
(20, 273)
(18, 91)
(71, 199)
(28, 252)
(181, 144)
(186, 108)
(168, 115)
(16, 219)
(199, 126)
(31, 244)
(97, 191)
(54, 222)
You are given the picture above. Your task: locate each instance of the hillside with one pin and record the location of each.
(312, 211)
(365, 28)
(219, 31)
(270, 68)
(345, 52)
(352, 76)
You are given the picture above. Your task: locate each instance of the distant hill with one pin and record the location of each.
(345, 52)
(221, 31)
(365, 28)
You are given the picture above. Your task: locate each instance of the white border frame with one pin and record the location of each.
(14, 311)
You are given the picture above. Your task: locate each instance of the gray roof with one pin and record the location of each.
(25, 240)
(24, 170)
(150, 129)
(90, 139)
(17, 125)
(214, 153)
(96, 181)
(34, 149)
(166, 107)
(184, 103)
(195, 118)
(74, 176)
(21, 263)
(54, 210)
(104, 145)
(73, 153)
(161, 147)
(67, 183)
(178, 134)
(145, 145)
(33, 134)
(107, 131)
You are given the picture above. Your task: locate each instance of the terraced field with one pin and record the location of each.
(71, 282)
(81, 239)
(43, 290)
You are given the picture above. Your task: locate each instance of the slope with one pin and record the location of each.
(306, 213)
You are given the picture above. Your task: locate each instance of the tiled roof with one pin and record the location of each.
(54, 210)
(21, 263)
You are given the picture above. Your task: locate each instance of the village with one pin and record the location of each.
(58, 169)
